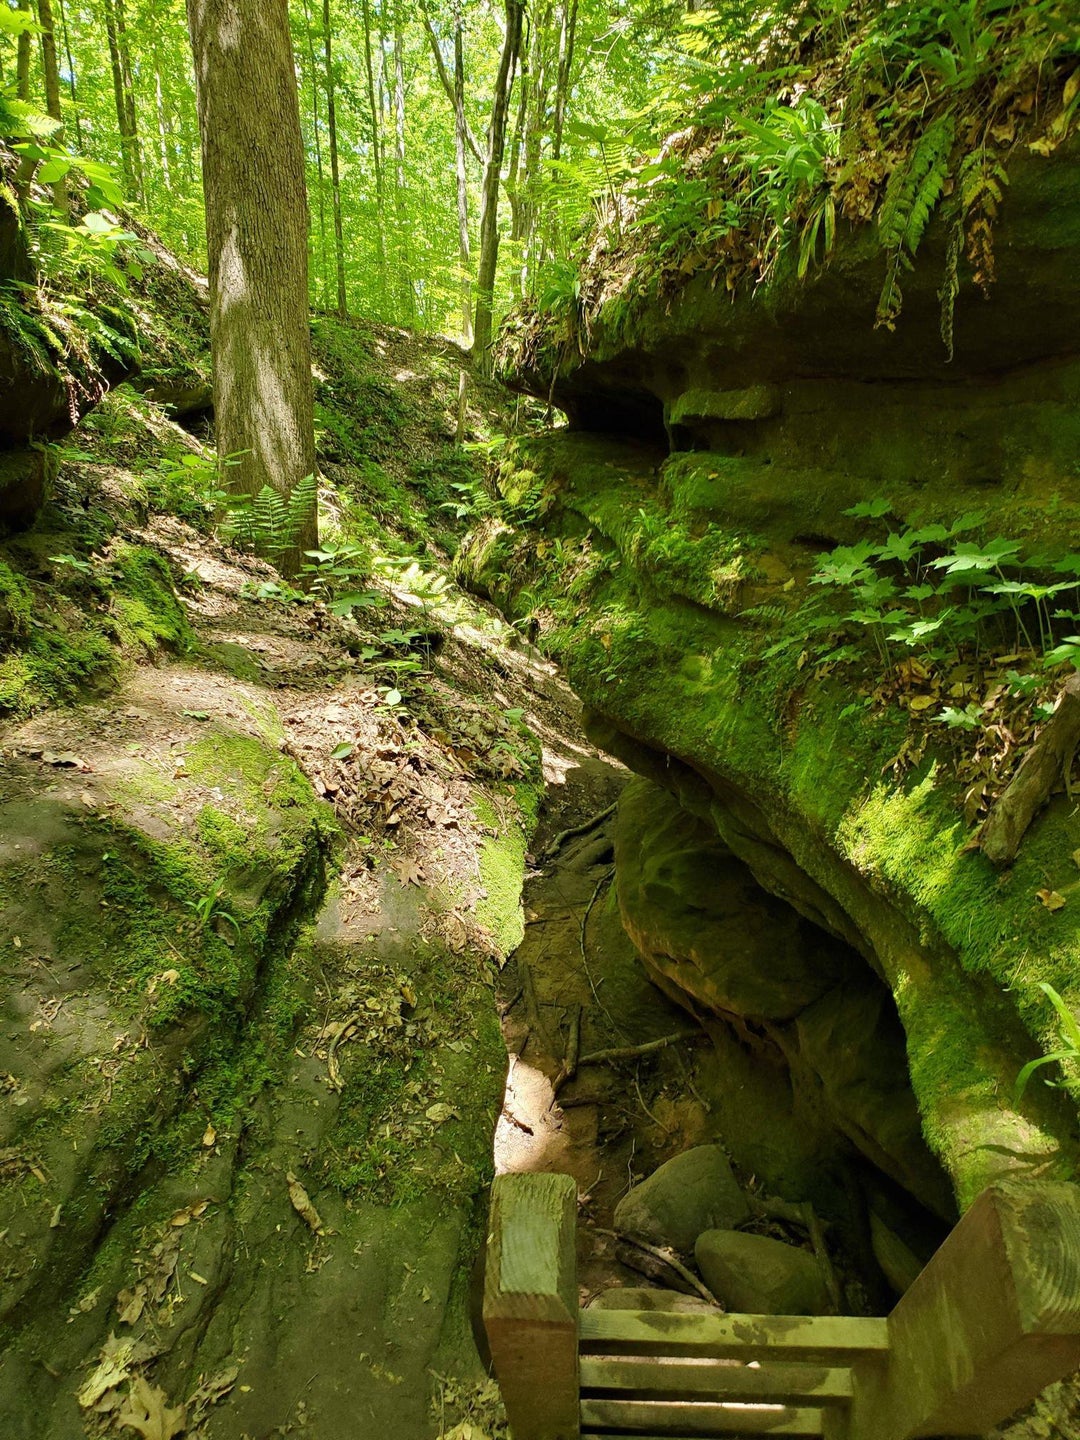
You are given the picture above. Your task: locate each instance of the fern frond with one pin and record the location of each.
(911, 198)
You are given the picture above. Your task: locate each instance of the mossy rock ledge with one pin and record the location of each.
(715, 449)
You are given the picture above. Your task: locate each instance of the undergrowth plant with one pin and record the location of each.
(269, 523)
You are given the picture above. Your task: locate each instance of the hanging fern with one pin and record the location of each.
(911, 197)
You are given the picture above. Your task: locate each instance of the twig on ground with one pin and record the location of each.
(633, 1052)
(667, 1258)
(568, 1069)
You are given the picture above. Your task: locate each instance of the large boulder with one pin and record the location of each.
(695, 1191)
(753, 1275)
(702, 922)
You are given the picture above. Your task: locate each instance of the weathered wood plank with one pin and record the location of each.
(673, 1379)
(531, 1303)
(823, 1338)
(632, 1417)
(992, 1320)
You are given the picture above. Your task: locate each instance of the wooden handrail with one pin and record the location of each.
(992, 1320)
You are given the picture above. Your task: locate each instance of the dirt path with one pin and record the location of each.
(576, 970)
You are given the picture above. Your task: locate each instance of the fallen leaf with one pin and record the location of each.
(301, 1203)
(440, 1112)
(148, 1412)
(130, 1304)
(197, 714)
(209, 1136)
(1076, 857)
(1051, 899)
(114, 1366)
(341, 752)
(408, 871)
(918, 703)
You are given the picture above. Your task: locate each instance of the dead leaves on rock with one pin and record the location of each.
(147, 1411)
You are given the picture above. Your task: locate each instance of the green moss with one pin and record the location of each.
(148, 614)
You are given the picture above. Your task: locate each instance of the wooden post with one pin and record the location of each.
(992, 1320)
(531, 1303)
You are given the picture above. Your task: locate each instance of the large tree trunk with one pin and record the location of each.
(489, 215)
(257, 245)
(335, 174)
(128, 85)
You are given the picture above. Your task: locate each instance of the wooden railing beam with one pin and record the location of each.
(531, 1303)
(992, 1320)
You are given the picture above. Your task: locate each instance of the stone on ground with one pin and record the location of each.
(753, 1275)
(693, 1192)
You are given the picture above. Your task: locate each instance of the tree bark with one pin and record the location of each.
(335, 174)
(51, 72)
(376, 151)
(128, 87)
(461, 132)
(323, 275)
(127, 152)
(257, 245)
(22, 63)
(405, 276)
(489, 215)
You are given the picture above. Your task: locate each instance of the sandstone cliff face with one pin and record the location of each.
(714, 452)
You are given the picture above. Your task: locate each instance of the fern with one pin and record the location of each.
(268, 523)
(911, 197)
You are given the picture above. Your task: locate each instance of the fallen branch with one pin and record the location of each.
(582, 829)
(630, 1052)
(568, 1069)
(768, 1207)
(1048, 760)
(667, 1258)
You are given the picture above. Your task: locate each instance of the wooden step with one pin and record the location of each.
(644, 1418)
(823, 1339)
(665, 1378)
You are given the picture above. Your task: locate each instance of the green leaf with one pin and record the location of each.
(341, 752)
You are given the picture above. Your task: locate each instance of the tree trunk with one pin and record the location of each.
(489, 215)
(460, 141)
(257, 244)
(128, 88)
(51, 71)
(335, 175)
(127, 158)
(163, 132)
(376, 151)
(71, 72)
(22, 63)
(408, 294)
(320, 197)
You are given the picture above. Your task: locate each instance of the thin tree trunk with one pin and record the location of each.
(567, 36)
(51, 72)
(163, 132)
(324, 275)
(22, 63)
(444, 78)
(408, 294)
(489, 216)
(128, 86)
(257, 243)
(376, 151)
(127, 159)
(460, 141)
(71, 71)
(335, 174)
